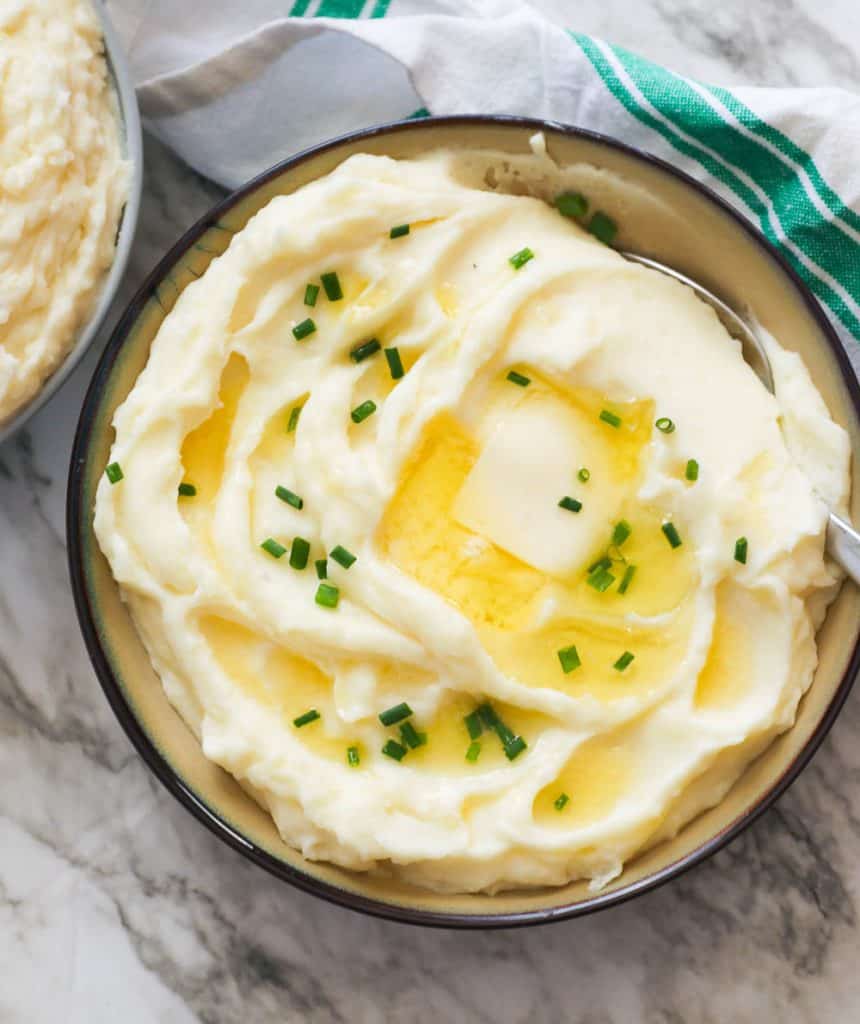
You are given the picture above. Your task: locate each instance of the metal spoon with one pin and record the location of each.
(843, 541)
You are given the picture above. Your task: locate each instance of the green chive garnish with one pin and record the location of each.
(626, 579)
(364, 350)
(601, 580)
(395, 750)
(393, 715)
(290, 497)
(521, 258)
(610, 418)
(321, 566)
(519, 378)
(691, 472)
(299, 553)
(561, 801)
(293, 421)
(665, 425)
(275, 549)
(624, 661)
(473, 725)
(187, 490)
(395, 365)
(353, 758)
(622, 531)
(331, 284)
(569, 658)
(571, 204)
(399, 231)
(601, 563)
(411, 736)
(361, 412)
(303, 329)
(583, 475)
(327, 595)
(474, 751)
(306, 718)
(571, 504)
(741, 550)
(672, 534)
(342, 556)
(516, 746)
(114, 472)
(602, 227)
(311, 292)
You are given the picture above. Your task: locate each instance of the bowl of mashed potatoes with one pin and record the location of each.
(70, 180)
(444, 562)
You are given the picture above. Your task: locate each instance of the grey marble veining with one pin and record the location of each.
(115, 905)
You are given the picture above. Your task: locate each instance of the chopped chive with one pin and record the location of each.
(571, 504)
(331, 284)
(672, 534)
(473, 725)
(488, 716)
(394, 750)
(601, 580)
(691, 472)
(399, 231)
(602, 227)
(519, 378)
(299, 553)
(275, 549)
(327, 595)
(622, 531)
(311, 292)
(363, 351)
(305, 328)
(306, 718)
(521, 258)
(474, 751)
(571, 204)
(321, 566)
(187, 490)
(114, 472)
(361, 412)
(610, 418)
(342, 556)
(624, 661)
(293, 421)
(353, 758)
(395, 365)
(393, 715)
(290, 497)
(626, 579)
(569, 658)
(741, 546)
(665, 425)
(411, 736)
(601, 563)
(583, 475)
(561, 801)
(515, 747)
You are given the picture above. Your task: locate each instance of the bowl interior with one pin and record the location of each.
(131, 144)
(661, 214)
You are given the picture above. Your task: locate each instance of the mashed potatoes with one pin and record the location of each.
(62, 186)
(538, 645)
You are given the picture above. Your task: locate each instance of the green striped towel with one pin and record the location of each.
(236, 87)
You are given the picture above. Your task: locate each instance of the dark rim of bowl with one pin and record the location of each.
(79, 520)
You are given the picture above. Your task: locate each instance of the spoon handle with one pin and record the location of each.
(843, 543)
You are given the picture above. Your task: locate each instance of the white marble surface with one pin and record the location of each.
(116, 905)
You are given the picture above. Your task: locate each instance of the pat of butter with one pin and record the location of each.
(528, 465)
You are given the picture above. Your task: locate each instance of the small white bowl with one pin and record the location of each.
(132, 146)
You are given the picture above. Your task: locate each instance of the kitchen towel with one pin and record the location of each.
(234, 87)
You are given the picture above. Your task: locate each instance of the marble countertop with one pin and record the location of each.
(115, 904)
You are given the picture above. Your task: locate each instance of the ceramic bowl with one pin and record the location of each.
(132, 149)
(662, 213)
